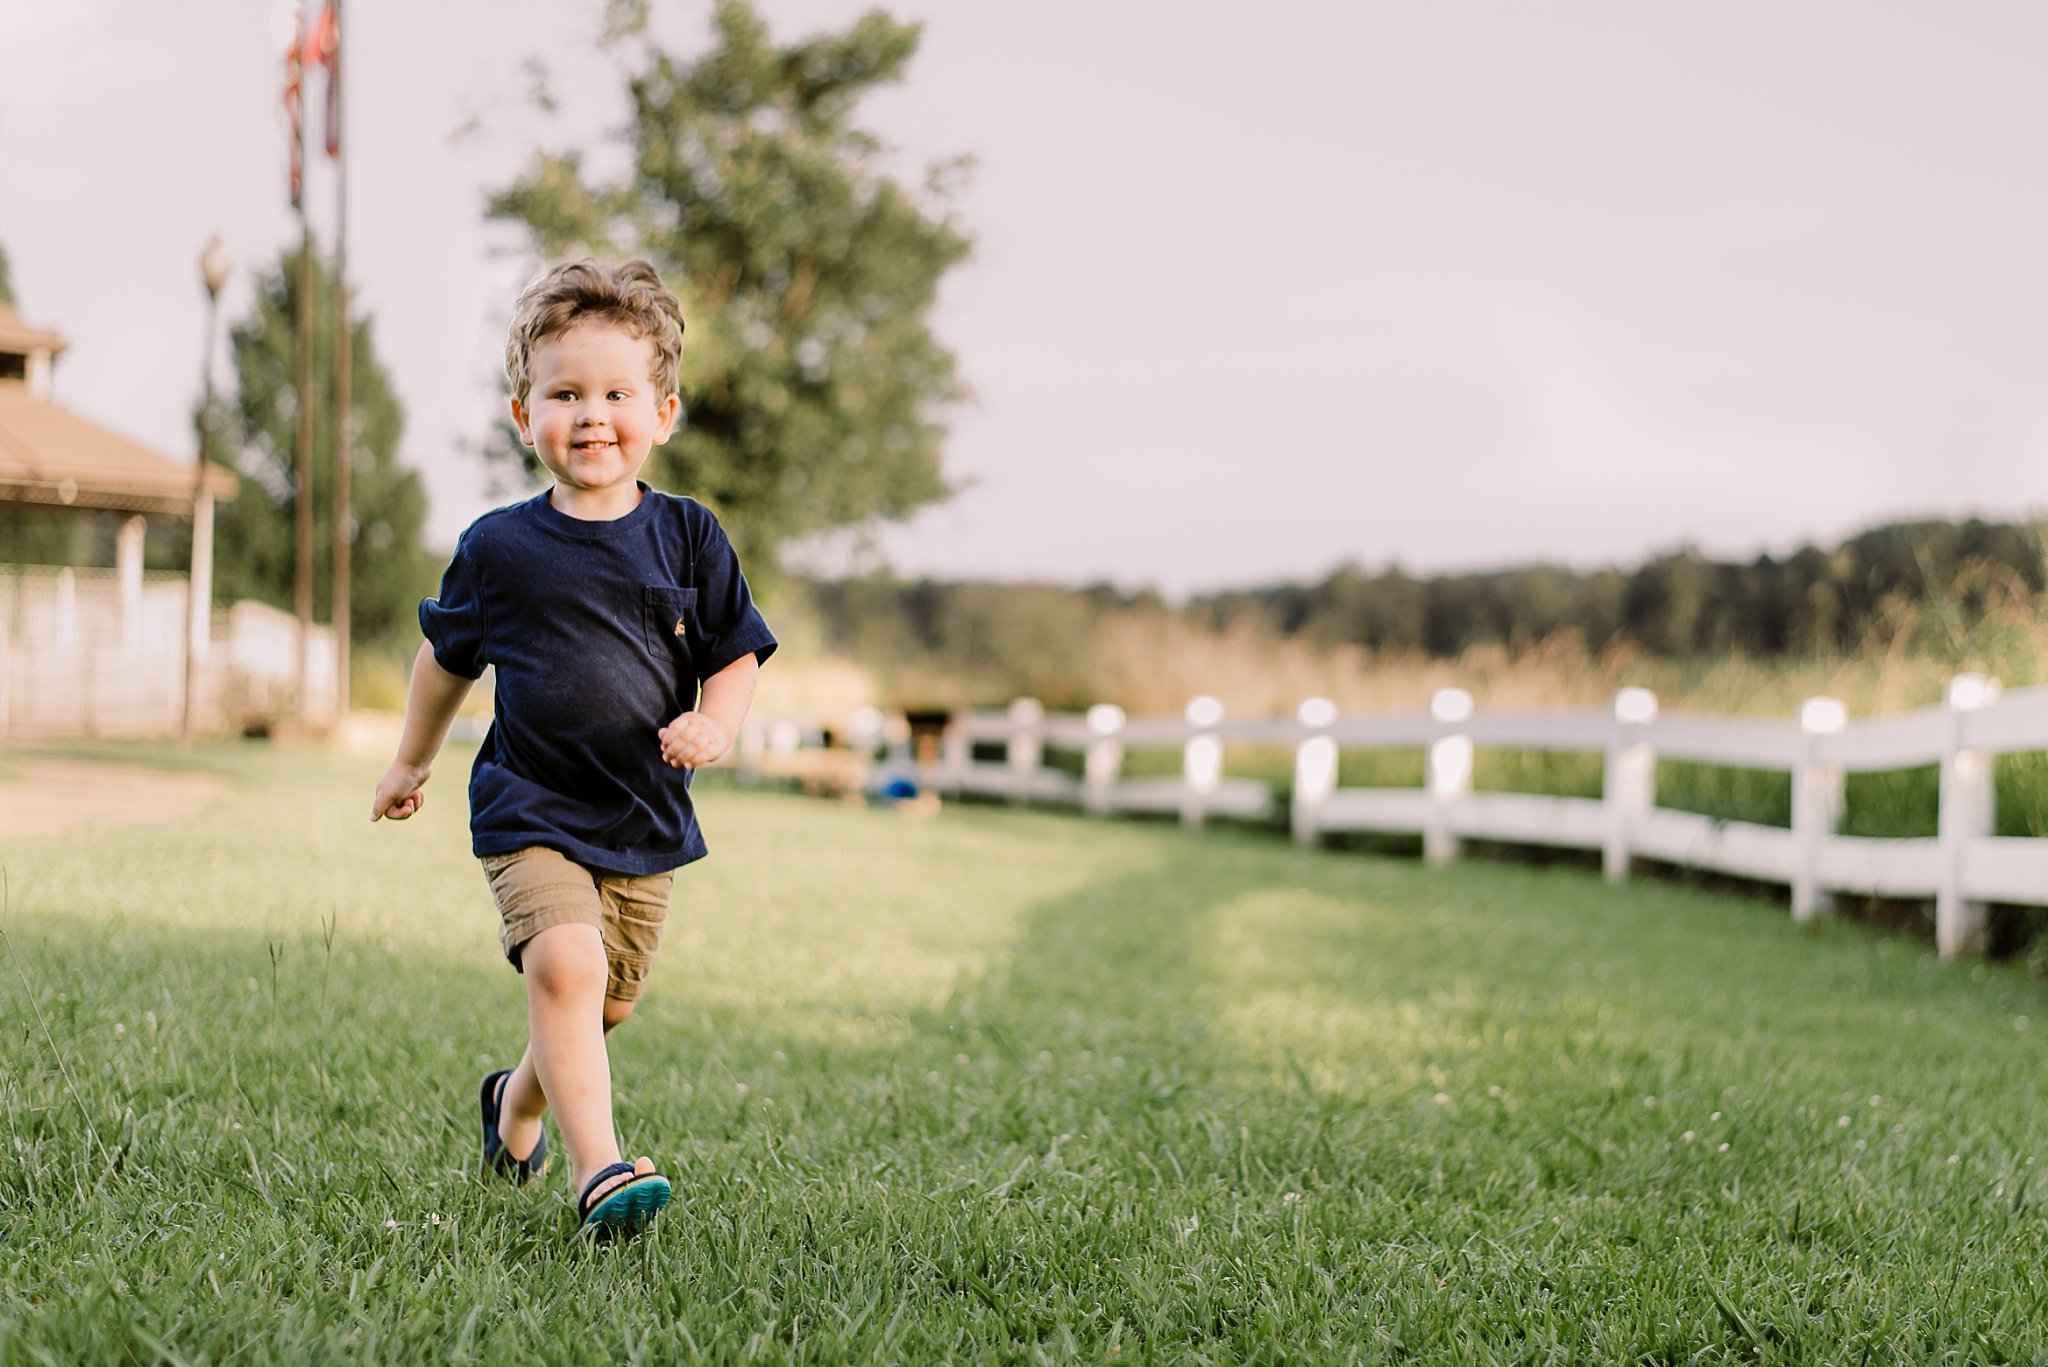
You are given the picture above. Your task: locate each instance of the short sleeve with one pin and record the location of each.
(730, 625)
(454, 622)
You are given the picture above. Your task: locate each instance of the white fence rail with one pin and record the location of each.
(95, 652)
(1963, 867)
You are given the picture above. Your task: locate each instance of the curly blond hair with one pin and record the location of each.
(629, 297)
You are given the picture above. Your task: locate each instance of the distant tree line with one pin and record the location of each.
(928, 642)
(983, 642)
(1680, 604)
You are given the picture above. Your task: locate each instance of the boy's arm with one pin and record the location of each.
(430, 706)
(701, 736)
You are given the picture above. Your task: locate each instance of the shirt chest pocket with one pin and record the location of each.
(668, 616)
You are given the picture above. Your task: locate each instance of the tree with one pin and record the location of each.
(253, 555)
(814, 390)
(6, 280)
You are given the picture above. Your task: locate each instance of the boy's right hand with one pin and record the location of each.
(398, 792)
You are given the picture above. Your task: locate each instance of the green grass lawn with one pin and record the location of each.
(999, 1086)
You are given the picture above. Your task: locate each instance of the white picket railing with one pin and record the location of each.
(99, 652)
(1962, 868)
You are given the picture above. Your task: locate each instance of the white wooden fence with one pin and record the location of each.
(98, 652)
(1962, 868)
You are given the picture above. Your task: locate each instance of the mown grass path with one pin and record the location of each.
(999, 1087)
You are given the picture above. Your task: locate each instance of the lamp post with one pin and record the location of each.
(213, 272)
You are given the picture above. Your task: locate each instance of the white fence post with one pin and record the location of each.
(785, 738)
(1629, 786)
(1027, 745)
(956, 753)
(864, 730)
(1447, 774)
(67, 610)
(1967, 813)
(10, 629)
(128, 565)
(1103, 761)
(1817, 796)
(1315, 767)
(1201, 759)
(753, 745)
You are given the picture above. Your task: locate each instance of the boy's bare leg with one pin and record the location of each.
(521, 1106)
(566, 1068)
(524, 1105)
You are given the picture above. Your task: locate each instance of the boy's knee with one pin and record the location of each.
(616, 1011)
(565, 960)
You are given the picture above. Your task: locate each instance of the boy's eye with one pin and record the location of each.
(563, 394)
(618, 396)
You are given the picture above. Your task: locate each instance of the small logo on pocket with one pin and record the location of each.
(679, 626)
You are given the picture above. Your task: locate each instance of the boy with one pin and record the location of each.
(604, 606)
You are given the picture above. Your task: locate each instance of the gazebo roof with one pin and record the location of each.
(18, 337)
(50, 455)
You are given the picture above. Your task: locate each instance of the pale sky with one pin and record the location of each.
(1259, 288)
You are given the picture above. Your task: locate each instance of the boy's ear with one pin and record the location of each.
(519, 421)
(671, 408)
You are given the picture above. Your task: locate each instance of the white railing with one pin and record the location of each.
(96, 652)
(1963, 867)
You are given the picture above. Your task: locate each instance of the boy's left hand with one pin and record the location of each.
(693, 739)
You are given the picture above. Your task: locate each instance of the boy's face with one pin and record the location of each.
(592, 416)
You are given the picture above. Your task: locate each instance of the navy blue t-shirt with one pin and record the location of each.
(600, 633)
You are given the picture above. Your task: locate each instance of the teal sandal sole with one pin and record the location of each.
(628, 1207)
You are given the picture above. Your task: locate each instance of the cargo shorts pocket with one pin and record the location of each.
(636, 908)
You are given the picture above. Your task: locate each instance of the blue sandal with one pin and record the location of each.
(626, 1208)
(497, 1158)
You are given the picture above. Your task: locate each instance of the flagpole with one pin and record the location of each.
(302, 455)
(344, 529)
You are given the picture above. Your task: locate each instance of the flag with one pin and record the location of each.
(294, 74)
(324, 47)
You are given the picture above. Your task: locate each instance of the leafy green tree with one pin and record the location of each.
(6, 280)
(389, 569)
(815, 391)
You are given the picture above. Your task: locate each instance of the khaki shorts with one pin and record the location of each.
(538, 887)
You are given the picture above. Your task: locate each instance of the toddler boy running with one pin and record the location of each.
(626, 646)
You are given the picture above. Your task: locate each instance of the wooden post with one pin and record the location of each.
(1967, 813)
(1103, 761)
(1630, 785)
(1027, 745)
(198, 612)
(302, 466)
(1817, 796)
(1447, 774)
(1315, 768)
(1201, 760)
(343, 536)
(213, 273)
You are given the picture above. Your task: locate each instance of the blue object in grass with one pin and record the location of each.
(892, 786)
